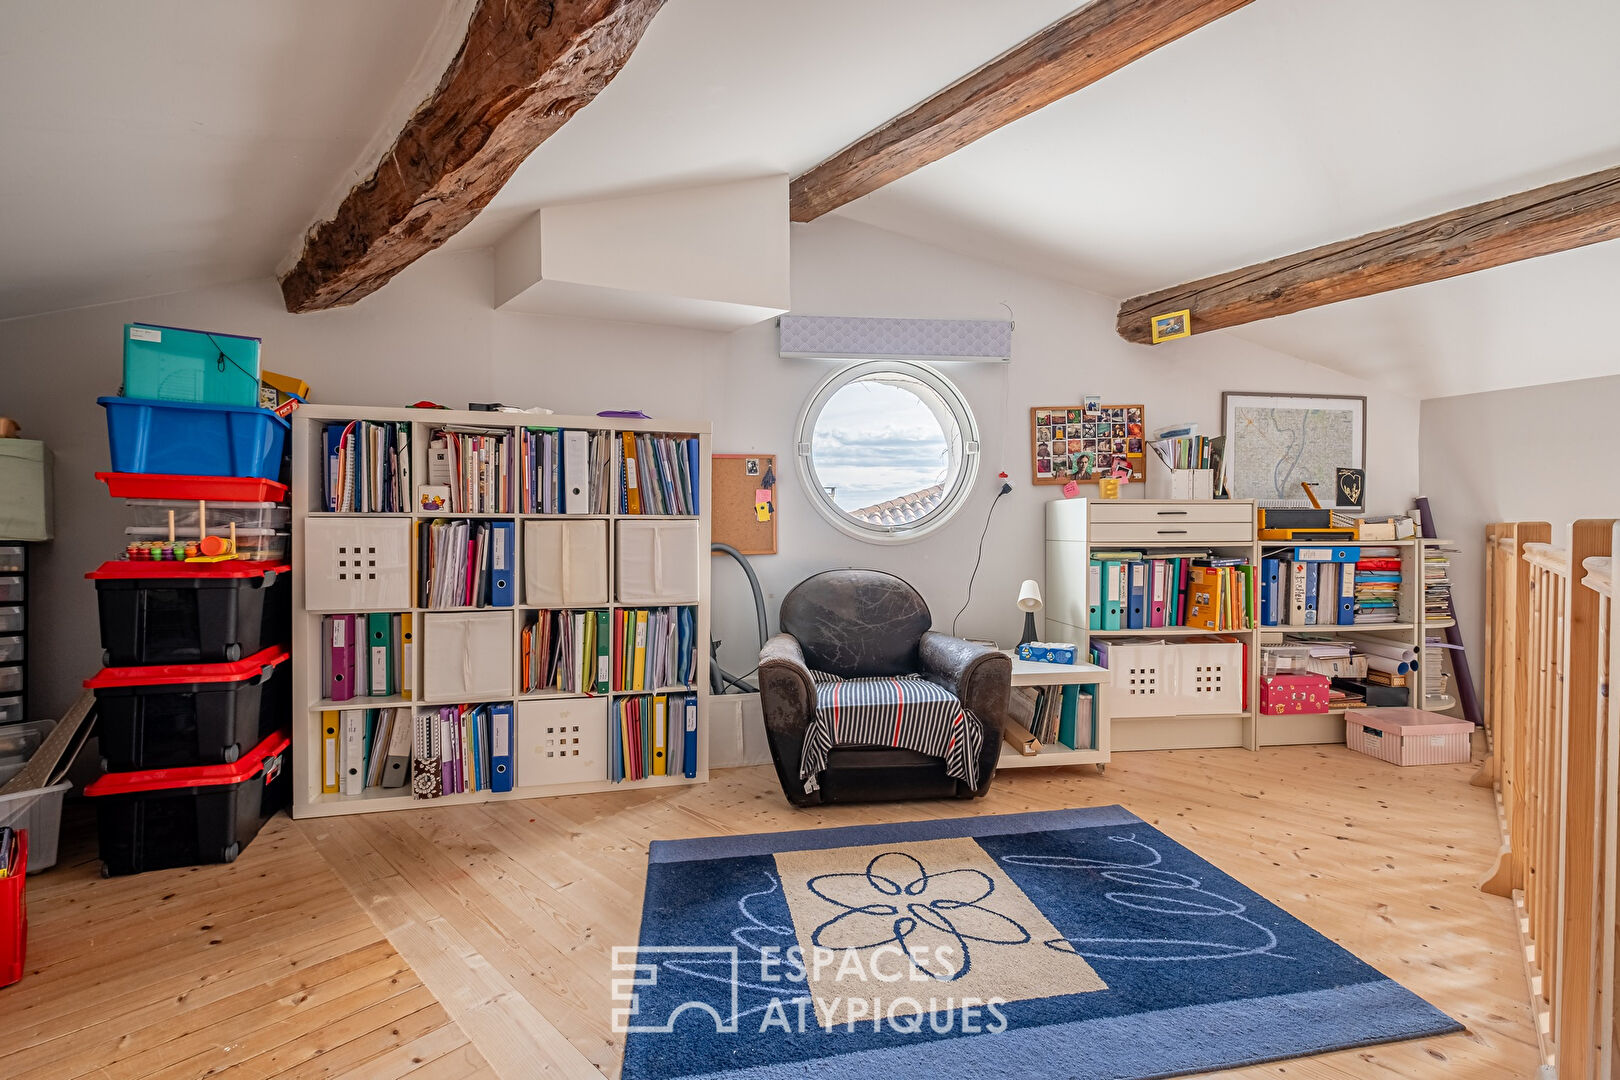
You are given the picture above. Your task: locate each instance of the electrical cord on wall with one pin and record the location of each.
(1006, 488)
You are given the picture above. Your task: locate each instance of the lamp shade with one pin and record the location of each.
(1029, 597)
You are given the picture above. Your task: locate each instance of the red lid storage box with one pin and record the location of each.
(175, 716)
(1287, 695)
(191, 613)
(163, 818)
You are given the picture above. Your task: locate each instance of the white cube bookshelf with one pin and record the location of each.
(557, 733)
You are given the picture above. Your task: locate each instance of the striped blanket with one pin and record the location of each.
(903, 711)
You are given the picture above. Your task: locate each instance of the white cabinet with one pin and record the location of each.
(658, 562)
(467, 655)
(565, 564)
(351, 564)
(562, 742)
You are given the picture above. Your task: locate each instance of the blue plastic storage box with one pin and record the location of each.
(166, 363)
(193, 440)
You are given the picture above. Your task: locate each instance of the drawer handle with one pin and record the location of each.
(1166, 513)
(1172, 532)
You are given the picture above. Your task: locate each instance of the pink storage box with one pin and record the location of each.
(1288, 695)
(1408, 736)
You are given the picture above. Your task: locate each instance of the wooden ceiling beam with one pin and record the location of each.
(1071, 54)
(523, 69)
(1546, 220)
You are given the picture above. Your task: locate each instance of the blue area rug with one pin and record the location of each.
(1075, 943)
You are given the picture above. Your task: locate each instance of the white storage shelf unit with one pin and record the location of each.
(363, 563)
(1165, 709)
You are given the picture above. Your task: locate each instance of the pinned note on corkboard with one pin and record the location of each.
(744, 506)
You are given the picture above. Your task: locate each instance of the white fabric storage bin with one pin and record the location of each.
(352, 565)
(658, 562)
(1174, 678)
(467, 655)
(562, 742)
(565, 564)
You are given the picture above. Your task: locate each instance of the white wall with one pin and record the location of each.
(1483, 461)
(433, 334)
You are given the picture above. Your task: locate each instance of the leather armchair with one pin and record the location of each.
(855, 623)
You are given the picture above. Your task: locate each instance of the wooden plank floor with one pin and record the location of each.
(475, 940)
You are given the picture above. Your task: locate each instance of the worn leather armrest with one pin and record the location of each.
(787, 693)
(979, 676)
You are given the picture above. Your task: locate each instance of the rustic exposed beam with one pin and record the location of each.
(1069, 55)
(523, 69)
(1558, 217)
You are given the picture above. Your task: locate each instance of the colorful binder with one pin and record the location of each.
(340, 657)
(689, 746)
(1136, 613)
(1347, 594)
(632, 494)
(1094, 593)
(331, 752)
(604, 643)
(660, 735)
(380, 654)
(503, 564)
(501, 737)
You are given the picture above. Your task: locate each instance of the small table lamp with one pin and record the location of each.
(1029, 602)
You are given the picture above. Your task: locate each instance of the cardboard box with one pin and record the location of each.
(1409, 736)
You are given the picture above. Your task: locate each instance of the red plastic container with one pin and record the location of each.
(180, 715)
(163, 818)
(191, 613)
(14, 917)
(211, 488)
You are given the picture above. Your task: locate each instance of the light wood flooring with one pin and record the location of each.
(474, 941)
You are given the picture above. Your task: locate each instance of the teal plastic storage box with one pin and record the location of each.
(194, 440)
(166, 363)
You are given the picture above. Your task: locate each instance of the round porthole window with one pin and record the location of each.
(888, 450)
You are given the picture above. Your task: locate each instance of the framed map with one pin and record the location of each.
(1086, 443)
(1276, 442)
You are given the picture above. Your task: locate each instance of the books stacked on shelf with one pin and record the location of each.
(1436, 679)
(1056, 715)
(652, 735)
(461, 748)
(477, 466)
(1437, 584)
(658, 474)
(564, 472)
(368, 467)
(366, 655)
(1390, 667)
(1378, 586)
(654, 648)
(565, 652)
(364, 748)
(1131, 590)
(466, 564)
(1313, 585)
(1333, 657)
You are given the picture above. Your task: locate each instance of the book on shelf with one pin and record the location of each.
(564, 471)
(1055, 715)
(365, 655)
(562, 652)
(1135, 590)
(368, 467)
(477, 465)
(652, 735)
(461, 748)
(365, 748)
(463, 563)
(653, 648)
(659, 474)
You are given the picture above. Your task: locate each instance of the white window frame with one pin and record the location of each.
(966, 426)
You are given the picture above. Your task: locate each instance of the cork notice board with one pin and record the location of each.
(736, 477)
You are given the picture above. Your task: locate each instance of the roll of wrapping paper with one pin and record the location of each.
(1392, 649)
(1386, 663)
(1020, 738)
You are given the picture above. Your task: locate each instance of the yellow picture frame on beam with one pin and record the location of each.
(1171, 325)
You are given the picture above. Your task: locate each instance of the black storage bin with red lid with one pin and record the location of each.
(164, 818)
(191, 613)
(180, 715)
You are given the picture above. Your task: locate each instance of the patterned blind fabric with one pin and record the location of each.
(837, 337)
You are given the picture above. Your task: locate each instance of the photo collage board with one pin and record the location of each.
(1086, 443)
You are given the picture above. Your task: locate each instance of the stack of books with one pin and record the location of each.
(653, 648)
(368, 467)
(364, 748)
(1131, 590)
(564, 472)
(565, 652)
(1313, 585)
(652, 735)
(466, 564)
(658, 474)
(366, 655)
(476, 467)
(1054, 715)
(1378, 586)
(1437, 585)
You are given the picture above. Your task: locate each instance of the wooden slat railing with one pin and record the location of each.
(1555, 762)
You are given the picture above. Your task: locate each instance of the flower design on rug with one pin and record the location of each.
(935, 918)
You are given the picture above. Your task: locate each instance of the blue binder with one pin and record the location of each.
(1347, 594)
(1270, 581)
(1136, 617)
(1310, 594)
(502, 564)
(502, 735)
(689, 744)
(1113, 594)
